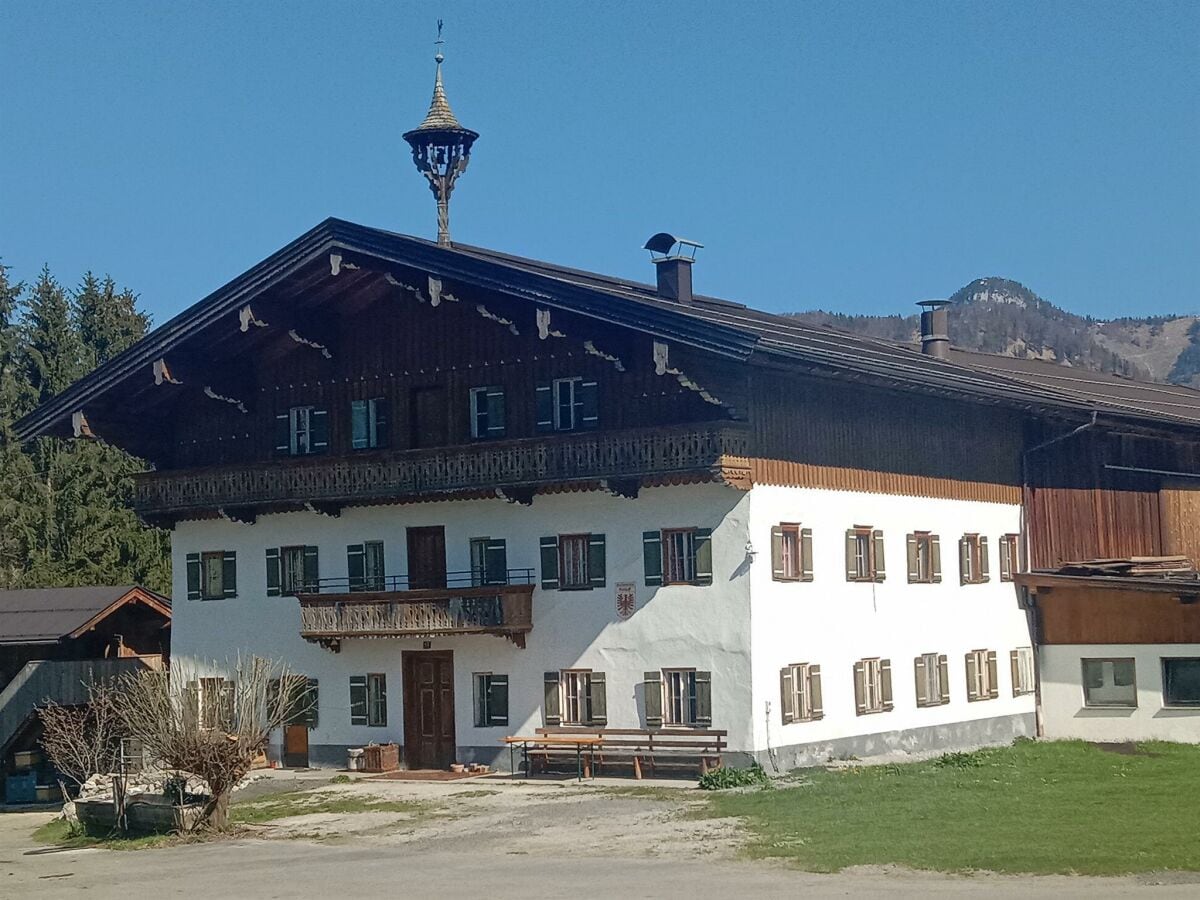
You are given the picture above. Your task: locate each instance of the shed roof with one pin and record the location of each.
(44, 615)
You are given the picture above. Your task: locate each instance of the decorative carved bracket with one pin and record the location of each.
(242, 515)
(80, 427)
(330, 510)
(521, 495)
(623, 487)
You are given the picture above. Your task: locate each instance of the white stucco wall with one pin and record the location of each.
(1064, 713)
(705, 627)
(834, 623)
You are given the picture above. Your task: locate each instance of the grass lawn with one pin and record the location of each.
(58, 833)
(1034, 807)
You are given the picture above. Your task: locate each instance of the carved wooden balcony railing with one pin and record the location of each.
(505, 610)
(717, 449)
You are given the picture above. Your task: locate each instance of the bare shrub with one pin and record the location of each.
(82, 741)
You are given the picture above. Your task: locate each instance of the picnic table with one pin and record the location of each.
(565, 741)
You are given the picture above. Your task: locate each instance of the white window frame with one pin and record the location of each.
(212, 563)
(374, 566)
(300, 430)
(575, 685)
(679, 697)
(573, 405)
(569, 551)
(376, 699)
(1025, 682)
(924, 546)
(291, 583)
(791, 560)
(935, 691)
(983, 681)
(678, 556)
(1010, 556)
(873, 685)
(801, 692)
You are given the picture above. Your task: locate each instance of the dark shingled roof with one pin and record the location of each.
(50, 614)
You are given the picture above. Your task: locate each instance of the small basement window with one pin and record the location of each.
(1181, 681)
(1110, 682)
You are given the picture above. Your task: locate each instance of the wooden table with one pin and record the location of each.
(576, 741)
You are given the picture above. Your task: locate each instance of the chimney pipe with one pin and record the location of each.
(673, 257)
(935, 328)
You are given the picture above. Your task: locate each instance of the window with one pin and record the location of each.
(678, 697)
(368, 700)
(800, 693)
(791, 552)
(679, 694)
(931, 672)
(365, 565)
(300, 695)
(573, 561)
(491, 699)
(973, 559)
(1010, 560)
(872, 686)
(213, 703)
(368, 424)
(924, 558)
(575, 697)
(291, 571)
(1181, 681)
(1109, 682)
(211, 575)
(567, 404)
(677, 556)
(302, 430)
(864, 554)
(982, 680)
(487, 412)
(1021, 664)
(489, 561)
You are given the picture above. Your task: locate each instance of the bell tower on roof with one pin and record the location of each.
(441, 147)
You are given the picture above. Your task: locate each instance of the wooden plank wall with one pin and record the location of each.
(1179, 504)
(1098, 616)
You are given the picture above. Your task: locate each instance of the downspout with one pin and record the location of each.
(1029, 599)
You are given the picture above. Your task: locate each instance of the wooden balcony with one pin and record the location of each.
(715, 451)
(505, 610)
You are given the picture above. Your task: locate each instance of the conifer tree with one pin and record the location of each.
(52, 348)
(16, 469)
(108, 320)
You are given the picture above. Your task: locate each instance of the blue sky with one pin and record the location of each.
(850, 156)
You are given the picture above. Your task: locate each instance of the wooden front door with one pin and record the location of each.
(429, 709)
(426, 558)
(430, 417)
(295, 746)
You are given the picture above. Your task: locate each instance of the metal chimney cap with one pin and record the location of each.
(934, 304)
(663, 243)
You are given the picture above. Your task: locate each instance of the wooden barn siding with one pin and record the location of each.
(817, 433)
(1097, 616)
(397, 345)
(1179, 504)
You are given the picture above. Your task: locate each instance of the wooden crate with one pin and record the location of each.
(381, 758)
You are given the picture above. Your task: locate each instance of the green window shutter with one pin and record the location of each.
(704, 699)
(273, 572)
(552, 706)
(653, 685)
(914, 570)
(880, 567)
(377, 709)
(860, 687)
(777, 554)
(703, 540)
(356, 567)
(815, 699)
(495, 563)
(358, 700)
(360, 437)
(498, 700)
(885, 682)
(787, 696)
(993, 676)
(589, 403)
(283, 433)
(597, 699)
(652, 556)
(595, 560)
(312, 574)
(320, 430)
(935, 552)
(851, 555)
(545, 408)
(311, 698)
(380, 406)
(806, 554)
(494, 399)
(193, 576)
(229, 573)
(983, 559)
(919, 678)
(550, 562)
(944, 678)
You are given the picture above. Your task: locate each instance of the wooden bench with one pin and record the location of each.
(644, 748)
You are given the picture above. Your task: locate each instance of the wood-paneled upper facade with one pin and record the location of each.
(360, 366)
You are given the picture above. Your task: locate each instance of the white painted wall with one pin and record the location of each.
(834, 623)
(1064, 713)
(702, 627)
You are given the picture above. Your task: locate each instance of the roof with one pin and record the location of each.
(46, 615)
(717, 326)
(440, 116)
(1178, 586)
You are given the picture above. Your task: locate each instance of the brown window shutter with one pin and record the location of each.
(553, 700)
(815, 701)
(777, 553)
(944, 678)
(993, 676)
(885, 682)
(652, 681)
(972, 676)
(860, 703)
(1014, 671)
(786, 697)
(880, 568)
(919, 676)
(983, 559)
(1005, 559)
(851, 546)
(806, 555)
(935, 555)
(964, 560)
(914, 571)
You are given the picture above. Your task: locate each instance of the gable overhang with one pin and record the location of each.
(155, 602)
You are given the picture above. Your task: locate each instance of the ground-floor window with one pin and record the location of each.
(575, 697)
(1021, 661)
(800, 693)
(491, 699)
(368, 699)
(872, 686)
(1109, 682)
(932, 676)
(1181, 681)
(982, 676)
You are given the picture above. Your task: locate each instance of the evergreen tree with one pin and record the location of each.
(52, 348)
(108, 320)
(16, 469)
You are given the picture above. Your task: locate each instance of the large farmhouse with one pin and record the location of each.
(468, 494)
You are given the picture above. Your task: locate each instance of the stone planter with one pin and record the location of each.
(146, 814)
